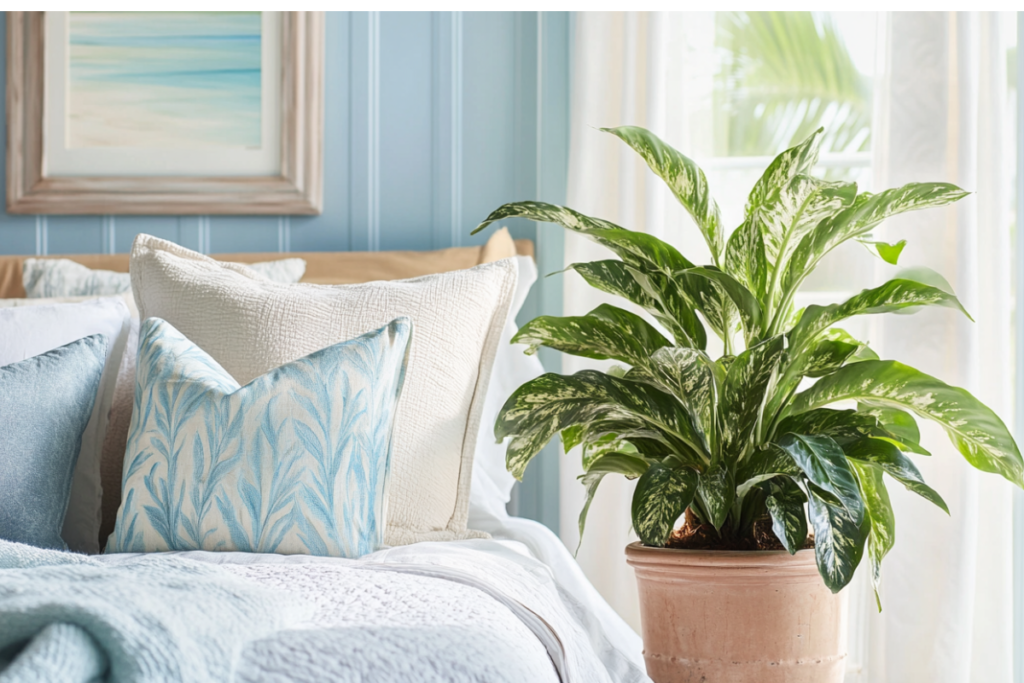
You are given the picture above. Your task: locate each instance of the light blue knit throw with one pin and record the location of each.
(148, 619)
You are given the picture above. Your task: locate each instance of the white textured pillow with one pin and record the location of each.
(250, 325)
(63, 277)
(27, 331)
(492, 482)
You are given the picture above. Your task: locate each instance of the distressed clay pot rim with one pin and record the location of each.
(722, 566)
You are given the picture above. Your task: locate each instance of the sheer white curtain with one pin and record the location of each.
(940, 115)
(622, 65)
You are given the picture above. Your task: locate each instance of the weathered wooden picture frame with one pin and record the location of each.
(296, 189)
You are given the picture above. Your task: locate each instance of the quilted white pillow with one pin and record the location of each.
(250, 325)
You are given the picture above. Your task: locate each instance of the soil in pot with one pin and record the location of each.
(694, 535)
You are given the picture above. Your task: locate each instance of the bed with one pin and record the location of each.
(513, 606)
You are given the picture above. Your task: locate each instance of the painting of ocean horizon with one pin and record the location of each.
(164, 80)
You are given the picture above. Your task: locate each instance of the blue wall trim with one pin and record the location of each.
(542, 94)
(432, 120)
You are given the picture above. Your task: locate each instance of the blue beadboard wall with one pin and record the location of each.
(432, 119)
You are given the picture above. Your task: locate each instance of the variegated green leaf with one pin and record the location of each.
(785, 503)
(892, 296)
(640, 249)
(797, 160)
(711, 299)
(679, 294)
(745, 258)
(743, 393)
(543, 212)
(838, 540)
(888, 456)
(764, 464)
(614, 277)
(676, 307)
(826, 466)
(863, 351)
(890, 253)
(619, 463)
(688, 375)
(789, 215)
(606, 332)
(837, 334)
(867, 211)
(636, 248)
(745, 302)
(550, 403)
(842, 426)
(794, 210)
(596, 435)
(786, 202)
(717, 490)
(977, 432)
(881, 521)
(597, 447)
(683, 177)
(611, 276)
(590, 481)
(572, 436)
(660, 498)
(899, 423)
(827, 356)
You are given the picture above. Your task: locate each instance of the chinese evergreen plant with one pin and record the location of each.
(734, 440)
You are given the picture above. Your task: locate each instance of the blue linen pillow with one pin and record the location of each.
(45, 404)
(294, 462)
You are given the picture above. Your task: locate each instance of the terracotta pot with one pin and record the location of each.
(738, 617)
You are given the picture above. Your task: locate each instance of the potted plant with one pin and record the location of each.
(740, 446)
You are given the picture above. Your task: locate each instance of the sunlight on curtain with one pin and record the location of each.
(912, 97)
(945, 115)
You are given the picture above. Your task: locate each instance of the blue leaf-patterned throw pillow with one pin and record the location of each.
(294, 462)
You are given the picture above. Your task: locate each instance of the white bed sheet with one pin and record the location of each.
(595, 613)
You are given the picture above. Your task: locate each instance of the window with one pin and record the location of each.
(745, 86)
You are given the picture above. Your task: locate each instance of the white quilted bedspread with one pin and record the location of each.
(455, 612)
(386, 626)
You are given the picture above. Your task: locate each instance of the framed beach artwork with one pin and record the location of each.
(164, 112)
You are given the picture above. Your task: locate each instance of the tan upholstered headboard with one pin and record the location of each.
(322, 267)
